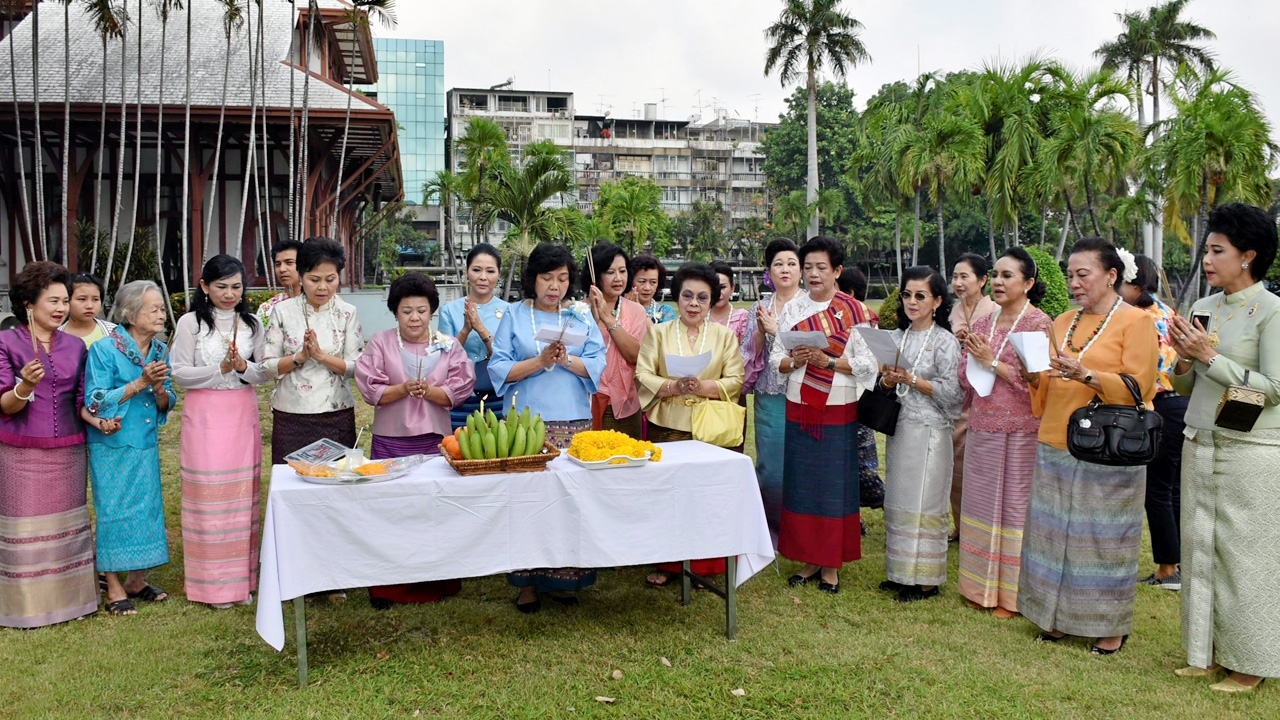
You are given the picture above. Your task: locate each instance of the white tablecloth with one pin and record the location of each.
(700, 501)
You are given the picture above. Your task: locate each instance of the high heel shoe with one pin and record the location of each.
(1095, 650)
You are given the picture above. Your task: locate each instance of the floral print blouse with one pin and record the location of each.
(312, 388)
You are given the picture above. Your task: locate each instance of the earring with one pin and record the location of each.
(1244, 265)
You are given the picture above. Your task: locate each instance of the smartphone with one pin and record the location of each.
(1201, 319)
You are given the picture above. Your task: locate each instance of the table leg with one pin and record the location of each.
(731, 597)
(686, 585)
(300, 624)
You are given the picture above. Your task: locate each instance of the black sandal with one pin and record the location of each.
(122, 607)
(150, 593)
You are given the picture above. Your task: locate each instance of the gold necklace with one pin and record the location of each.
(1213, 336)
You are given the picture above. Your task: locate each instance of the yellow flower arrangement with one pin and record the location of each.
(597, 445)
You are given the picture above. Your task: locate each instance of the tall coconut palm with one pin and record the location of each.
(1088, 134)
(484, 149)
(232, 21)
(358, 19)
(119, 188)
(807, 36)
(38, 164)
(22, 172)
(293, 81)
(108, 20)
(310, 38)
(66, 128)
(186, 170)
(137, 160)
(876, 161)
(1217, 148)
(447, 187)
(163, 9)
(945, 155)
(792, 213)
(1158, 35)
(249, 152)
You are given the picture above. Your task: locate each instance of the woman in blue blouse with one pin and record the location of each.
(473, 320)
(126, 379)
(554, 379)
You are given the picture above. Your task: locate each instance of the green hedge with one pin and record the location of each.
(889, 311)
(1056, 298)
(256, 298)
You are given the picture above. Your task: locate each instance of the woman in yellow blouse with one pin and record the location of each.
(667, 396)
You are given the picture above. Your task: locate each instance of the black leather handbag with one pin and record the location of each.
(1116, 435)
(878, 408)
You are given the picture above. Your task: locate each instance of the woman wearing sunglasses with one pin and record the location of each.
(918, 458)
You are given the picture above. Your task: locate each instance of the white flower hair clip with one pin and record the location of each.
(1130, 267)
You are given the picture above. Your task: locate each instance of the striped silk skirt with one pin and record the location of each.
(1080, 545)
(46, 541)
(421, 592)
(917, 486)
(560, 433)
(128, 507)
(221, 467)
(771, 432)
(997, 489)
(820, 515)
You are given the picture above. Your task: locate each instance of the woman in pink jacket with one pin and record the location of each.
(413, 377)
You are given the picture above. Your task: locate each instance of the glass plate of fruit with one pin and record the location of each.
(326, 462)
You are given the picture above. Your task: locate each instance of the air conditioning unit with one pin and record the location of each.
(606, 165)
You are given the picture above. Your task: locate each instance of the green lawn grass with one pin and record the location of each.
(800, 653)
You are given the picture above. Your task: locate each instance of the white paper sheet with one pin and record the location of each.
(1032, 349)
(574, 335)
(881, 344)
(792, 339)
(679, 366)
(981, 378)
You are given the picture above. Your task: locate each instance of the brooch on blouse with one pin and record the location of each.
(497, 314)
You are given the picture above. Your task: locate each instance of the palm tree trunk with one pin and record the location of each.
(119, 189)
(293, 162)
(1192, 284)
(22, 163)
(137, 162)
(159, 238)
(915, 242)
(248, 155)
(1044, 219)
(217, 155)
(1066, 227)
(942, 240)
(1017, 241)
(304, 170)
(346, 129)
(897, 240)
(265, 174)
(37, 166)
(66, 128)
(991, 234)
(186, 172)
(102, 147)
(1157, 227)
(811, 182)
(1088, 204)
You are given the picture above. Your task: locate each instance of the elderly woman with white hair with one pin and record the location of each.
(127, 380)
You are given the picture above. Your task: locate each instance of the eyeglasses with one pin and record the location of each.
(920, 297)
(699, 299)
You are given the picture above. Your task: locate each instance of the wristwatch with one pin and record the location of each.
(1088, 376)
(994, 364)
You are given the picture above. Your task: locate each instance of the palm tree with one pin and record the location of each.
(22, 172)
(163, 8)
(66, 127)
(1088, 135)
(808, 35)
(186, 171)
(358, 19)
(137, 160)
(946, 154)
(830, 206)
(1217, 148)
(108, 20)
(447, 187)
(792, 213)
(249, 153)
(308, 39)
(1158, 35)
(517, 194)
(876, 163)
(633, 208)
(232, 20)
(124, 117)
(484, 149)
(293, 168)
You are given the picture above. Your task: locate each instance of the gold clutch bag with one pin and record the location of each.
(1240, 406)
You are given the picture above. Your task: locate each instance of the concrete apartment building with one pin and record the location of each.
(715, 159)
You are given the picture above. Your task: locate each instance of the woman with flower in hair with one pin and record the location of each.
(412, 377)
(553, 378)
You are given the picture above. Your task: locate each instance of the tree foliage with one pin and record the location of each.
(632, 209)
(785, 146)
(1057, 298)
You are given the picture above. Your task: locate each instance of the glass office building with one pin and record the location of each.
(411, 84)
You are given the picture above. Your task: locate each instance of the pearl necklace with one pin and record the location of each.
(902, 390)
(991, 331)
(703, 344)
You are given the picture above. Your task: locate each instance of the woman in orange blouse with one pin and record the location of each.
(1084, 526)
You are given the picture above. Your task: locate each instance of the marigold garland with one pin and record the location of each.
(597, 445)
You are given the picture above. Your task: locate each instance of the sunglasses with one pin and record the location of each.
(919, 297)
(700, 298)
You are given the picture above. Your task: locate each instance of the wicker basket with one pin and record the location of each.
(524, 463)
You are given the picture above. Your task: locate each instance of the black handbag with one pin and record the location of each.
(1116, 435)
(878, 408)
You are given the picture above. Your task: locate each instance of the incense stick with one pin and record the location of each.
(591, 267)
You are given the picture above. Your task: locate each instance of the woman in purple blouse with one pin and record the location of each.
(46, 541)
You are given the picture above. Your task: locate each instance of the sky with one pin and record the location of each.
(695, 56)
